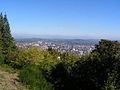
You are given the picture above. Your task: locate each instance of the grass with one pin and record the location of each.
(10, 81)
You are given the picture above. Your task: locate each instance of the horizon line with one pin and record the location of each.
(55, 36)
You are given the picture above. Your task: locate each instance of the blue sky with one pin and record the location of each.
(73, 18)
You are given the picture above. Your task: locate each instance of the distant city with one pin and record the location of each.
(76, 46)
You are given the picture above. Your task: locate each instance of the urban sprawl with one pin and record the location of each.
(78, 47)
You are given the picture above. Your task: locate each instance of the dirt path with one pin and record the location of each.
(9, 81)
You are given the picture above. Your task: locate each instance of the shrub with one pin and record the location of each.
(33, 77)
(35, 55)
(18, 59)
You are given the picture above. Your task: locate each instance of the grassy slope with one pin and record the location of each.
(9, 80)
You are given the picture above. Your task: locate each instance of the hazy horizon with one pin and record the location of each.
(41, 36)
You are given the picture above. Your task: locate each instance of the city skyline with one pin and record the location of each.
(91, 19)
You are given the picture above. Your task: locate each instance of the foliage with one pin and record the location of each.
(54, 53)
(69, 58)
(107, 48)
(99, 70)
(33, 77)
(18, 59)
(34, 55)
(7, 43)
(60, 77)
(1, 42)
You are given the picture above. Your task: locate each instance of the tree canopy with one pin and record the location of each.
(7, 43)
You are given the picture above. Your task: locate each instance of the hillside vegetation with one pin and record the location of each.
(43, 70)
(10, 80)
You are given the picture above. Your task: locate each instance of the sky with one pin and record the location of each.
(64, 18)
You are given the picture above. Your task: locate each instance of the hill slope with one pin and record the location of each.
(10, 81)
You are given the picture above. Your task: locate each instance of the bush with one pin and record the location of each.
(35, 55)
(33, 77)
(18, 59)
(23, 57)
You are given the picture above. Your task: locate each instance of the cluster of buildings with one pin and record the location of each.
(62, 46)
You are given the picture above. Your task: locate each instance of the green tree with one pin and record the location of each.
(99, 70)
(7, 43)
(7, 39)
(1, 42)
(107, 48)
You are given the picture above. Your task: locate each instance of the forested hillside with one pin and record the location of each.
(43, 70)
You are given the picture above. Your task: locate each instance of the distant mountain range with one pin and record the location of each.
(21, 36)
(24, 36)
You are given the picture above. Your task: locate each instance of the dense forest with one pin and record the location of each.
(43, 70)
